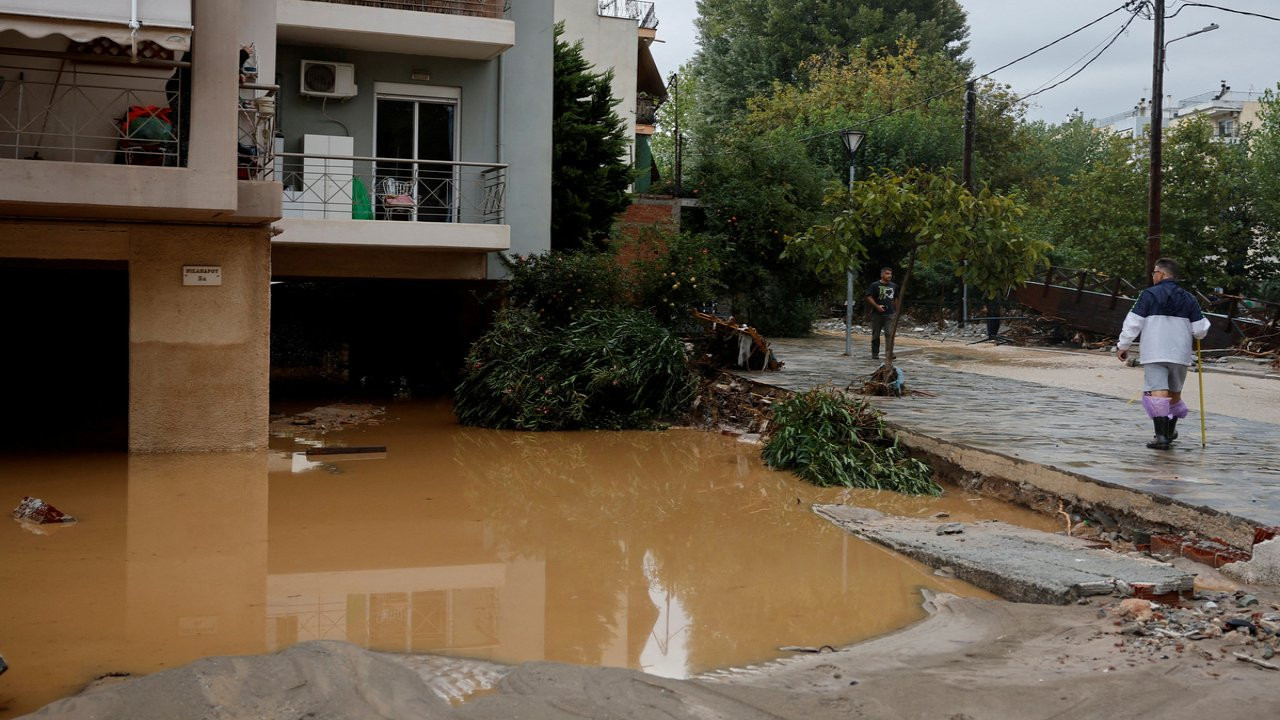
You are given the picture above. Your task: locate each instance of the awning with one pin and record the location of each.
(166, 23)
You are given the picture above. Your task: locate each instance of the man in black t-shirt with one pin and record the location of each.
(881, 296)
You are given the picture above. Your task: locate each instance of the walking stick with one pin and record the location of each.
(1200, 377)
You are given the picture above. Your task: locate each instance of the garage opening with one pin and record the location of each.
(361, 338)
(64, 369)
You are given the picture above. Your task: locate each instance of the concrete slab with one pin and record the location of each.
(1013, 562)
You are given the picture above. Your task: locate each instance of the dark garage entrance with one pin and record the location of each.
(64, 367)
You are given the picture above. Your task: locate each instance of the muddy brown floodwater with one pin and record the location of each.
(671, 552)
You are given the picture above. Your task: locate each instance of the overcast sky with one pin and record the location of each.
(1244, 51)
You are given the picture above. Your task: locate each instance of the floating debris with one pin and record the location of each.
(35, 510)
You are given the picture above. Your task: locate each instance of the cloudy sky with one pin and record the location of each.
(1244, 51)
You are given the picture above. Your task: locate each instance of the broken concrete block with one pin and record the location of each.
(38, 511)
(954, 528)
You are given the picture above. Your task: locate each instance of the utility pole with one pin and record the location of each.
(675, 99)
(1157, 119)
(966, 172)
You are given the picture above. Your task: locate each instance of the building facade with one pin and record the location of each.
(162, 161)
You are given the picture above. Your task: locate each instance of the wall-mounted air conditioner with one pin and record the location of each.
(328, 79)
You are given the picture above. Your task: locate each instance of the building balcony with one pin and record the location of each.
(96, 129)
(639, 10)
(346, 200)
(465, 29)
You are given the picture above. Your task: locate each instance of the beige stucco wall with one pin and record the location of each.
(198, 356)
(362, 262)
(608, 43)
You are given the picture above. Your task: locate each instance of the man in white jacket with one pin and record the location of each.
(1167, 317)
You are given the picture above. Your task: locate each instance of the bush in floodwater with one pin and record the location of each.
(830, 439)
(614, 368)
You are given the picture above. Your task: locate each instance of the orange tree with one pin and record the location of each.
(934, 219)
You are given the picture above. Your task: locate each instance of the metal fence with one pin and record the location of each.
(256, 132)
(639, 10)
(65, 110)
(395, 189)
(476, 8)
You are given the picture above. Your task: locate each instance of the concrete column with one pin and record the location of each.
(198, 355)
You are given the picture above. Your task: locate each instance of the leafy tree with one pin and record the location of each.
(746, 45)
(936, 220)
(589, 179)
(1215, 209)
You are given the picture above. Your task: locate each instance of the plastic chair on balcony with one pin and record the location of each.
(396, 196)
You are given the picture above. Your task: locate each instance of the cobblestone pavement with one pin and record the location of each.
(1098, 436)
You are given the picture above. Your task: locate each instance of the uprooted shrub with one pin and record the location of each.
(612, 368)
(829, 439)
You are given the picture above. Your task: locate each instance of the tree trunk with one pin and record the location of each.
(888, 374)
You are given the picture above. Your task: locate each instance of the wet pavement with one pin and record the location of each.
(1098, 436)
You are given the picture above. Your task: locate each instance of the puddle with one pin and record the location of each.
(675, 553)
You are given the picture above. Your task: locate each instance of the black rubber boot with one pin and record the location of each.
(1172, 432)
(1161, 440)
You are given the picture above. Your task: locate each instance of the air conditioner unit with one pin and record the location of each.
(328, 79)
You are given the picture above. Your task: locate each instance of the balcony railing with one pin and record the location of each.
(256, 132)
(63, 109)
(475, 8)
(646, 110)
(639, 10)
(395, 189)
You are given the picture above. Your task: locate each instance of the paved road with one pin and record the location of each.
(1099, 436)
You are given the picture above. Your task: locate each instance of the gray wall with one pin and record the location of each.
(300, 115)
(526, 128)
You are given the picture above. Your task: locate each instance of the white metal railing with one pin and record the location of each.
(256, 131)
(396, 189)
(639, 10)
(63, 109)
(477, 8)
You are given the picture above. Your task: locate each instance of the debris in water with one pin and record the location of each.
(35, 510)
(3, 665)
(807, 649)
(370, 452)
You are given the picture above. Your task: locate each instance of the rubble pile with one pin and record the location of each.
(327, 419)
(1215, 627)
(734, 407)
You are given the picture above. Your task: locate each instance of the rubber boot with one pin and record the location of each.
(1172, 433)
(1161, 440)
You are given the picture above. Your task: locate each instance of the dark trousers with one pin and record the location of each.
(880, 322)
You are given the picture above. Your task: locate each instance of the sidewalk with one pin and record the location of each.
(1098, 437)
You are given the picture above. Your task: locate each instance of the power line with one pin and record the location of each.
(1134, 6)
(1186, 5)
(1091, 60)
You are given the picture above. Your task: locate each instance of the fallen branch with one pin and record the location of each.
(1255, 661)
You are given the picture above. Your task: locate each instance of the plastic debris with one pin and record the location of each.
(35, 510)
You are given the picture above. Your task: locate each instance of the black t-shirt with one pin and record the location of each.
(883, 293)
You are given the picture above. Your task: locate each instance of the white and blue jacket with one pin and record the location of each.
(1167, 317)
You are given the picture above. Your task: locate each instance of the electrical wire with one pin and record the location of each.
(1115, 37)
(1133, 6)
(1186, 5)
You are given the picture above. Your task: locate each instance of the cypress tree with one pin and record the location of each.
(588, 173)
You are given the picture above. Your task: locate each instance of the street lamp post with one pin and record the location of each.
(851, 139)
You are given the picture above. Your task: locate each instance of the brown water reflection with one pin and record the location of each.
(672, 552)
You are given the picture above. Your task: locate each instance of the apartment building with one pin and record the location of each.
(1227, 111)
(617, 35)
(163, 162)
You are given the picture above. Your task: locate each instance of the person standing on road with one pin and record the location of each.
(881, 296)
(1167, 317)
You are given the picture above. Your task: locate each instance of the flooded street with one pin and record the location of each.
(674, 553)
